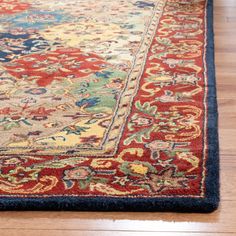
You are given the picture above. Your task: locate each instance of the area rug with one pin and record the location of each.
(108, 105)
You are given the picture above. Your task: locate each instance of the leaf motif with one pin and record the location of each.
(146, 108)
(100, 180)
(139, 136)
(164, 41)
(92, 121)
(104, 188)
(68, 184)
(83, 184)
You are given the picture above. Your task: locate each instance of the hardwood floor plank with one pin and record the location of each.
(223, 220)
(228, 57)
(226, 106)
(228, 178)
(227, 91)
(13, 232)
(227, 144)
(223, 11)
(225, 3)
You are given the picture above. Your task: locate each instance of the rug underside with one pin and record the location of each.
(108, 105)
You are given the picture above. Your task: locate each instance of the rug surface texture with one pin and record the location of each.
(108, 105)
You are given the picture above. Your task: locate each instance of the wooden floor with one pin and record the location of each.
(219, 223)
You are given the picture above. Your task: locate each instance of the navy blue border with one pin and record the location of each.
(207, 204)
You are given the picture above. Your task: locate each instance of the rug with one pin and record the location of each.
(108, 105)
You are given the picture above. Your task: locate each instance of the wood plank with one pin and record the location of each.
(226, 106)
(223, 220)
(228, 177)
(226, 91)
(227, 143)
(223, 11)
(220, 23)
(231, 119)
(224, 78)
(99, 233)
(225, 3)
(228, 57)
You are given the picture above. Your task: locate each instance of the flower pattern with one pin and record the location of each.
(20, 175)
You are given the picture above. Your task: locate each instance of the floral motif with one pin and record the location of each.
(36, 91)
(137, 168)
(21, 175)
(55, 65)
(78, 173)
(8, 161)
(13, 122)
(32, 19)
(166, 179)
(14, 45)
